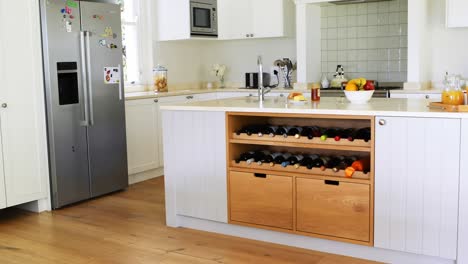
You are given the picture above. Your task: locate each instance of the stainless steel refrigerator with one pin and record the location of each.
(82, 46)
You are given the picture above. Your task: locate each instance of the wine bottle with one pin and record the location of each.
(269, 130)
(316, 132)
(323, 162)
(343, 163)
(307, 132)
(262, 157)
(295, 131)
(281, 160)
(335, 162)
(292, 160)
(245, 156)
(329, 133)
(364, 134)
(275, 158)
(347, 134)
(358, 165)
(281, 131)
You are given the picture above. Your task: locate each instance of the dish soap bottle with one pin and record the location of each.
(339, 77)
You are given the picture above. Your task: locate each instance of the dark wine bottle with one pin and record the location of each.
(245, 156)
(364, 134)
(295, 132)
(269, 130)
(283, 159)
(346, 134)
(323, 162)
(292, 160)
(329, 133)
(274, 158)
(261, 157)
(316, 132)
(344, 163)
(281, 131)
(307, 132)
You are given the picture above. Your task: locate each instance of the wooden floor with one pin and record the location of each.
(129, 227)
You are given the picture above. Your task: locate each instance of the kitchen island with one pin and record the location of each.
(411, 207)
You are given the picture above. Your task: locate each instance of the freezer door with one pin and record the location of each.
(65, 102)
(106, 133)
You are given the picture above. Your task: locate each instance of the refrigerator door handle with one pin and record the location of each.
(90, 81)
(121, 83)
(84, 79)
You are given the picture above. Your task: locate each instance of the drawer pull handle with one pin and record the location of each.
(328, 182)
(260, 175)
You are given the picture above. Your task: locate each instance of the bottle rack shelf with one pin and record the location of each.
(301, 170)
(303, 142)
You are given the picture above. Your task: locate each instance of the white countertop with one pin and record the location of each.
(327, 106)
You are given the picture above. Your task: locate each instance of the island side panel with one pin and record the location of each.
(463, 199)
(416, 185)
(195, 165)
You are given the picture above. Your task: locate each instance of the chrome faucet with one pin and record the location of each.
(261, 90)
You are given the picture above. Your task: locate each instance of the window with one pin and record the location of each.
(130, 38)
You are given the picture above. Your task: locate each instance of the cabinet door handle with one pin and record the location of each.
(251, 35)
(427, 97)
(247, 35)
(189, 97)
(382, 122)
(329, 182)
(156, 100)
(260, 175)
(281, 95)
(4, 105)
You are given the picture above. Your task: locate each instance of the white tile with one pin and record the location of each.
(324, 11)
(372, 20)
(324, 33)
(324, 67)
(394, 6)
(333, 56)
(341, 10)
(324, 55)
(362, 9)
(393, 42)
(352, 55)
(404, 42)
(332, 33)
(394, 66)
(394, 18)
(373, 55)
(404, 29)
(332, 22)
(323, 22)
(324, 44)
(394, 30)
(373, 66)
(362, 66)
(372, 31)
(352, 43)
(362, 44)
(343, 44)
(394, 77)
(362, 55)
(332, 44)
(351, 67)
(382, 42)
(332, 66)
(342, 55)
(382, 76)
(404, 53)
(342, 33)
(404, 65)
(362, 20)
(362, 32)
(352, 10)
(352, 32)
(383, 7)
(394, 54)
(342, 21)
(382, 31)
(403, 5)
(371, 75)
(382, 19)
(383, 54)
(331, 11)
(383, 66)
(352, 21)
(372, 8)
(404, 17)
(371, 43)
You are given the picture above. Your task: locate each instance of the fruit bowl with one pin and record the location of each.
(359, 97)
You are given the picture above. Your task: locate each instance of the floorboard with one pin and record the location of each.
(129, 227)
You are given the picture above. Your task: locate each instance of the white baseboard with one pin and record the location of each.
(144, 176)
(36, 206)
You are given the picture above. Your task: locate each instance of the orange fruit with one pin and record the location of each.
(351, 86)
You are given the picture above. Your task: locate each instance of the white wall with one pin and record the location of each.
(190, 62)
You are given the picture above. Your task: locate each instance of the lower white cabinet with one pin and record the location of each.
(143, 132)
(417, 171)
(429, 96)
(23, 147)
(195, 164)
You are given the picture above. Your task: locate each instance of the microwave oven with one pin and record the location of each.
(204, 18)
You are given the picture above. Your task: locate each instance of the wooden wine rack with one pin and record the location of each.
(253, 189)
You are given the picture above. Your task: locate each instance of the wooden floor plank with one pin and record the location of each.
(129, 227)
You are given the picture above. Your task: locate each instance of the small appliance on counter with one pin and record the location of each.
(339, 77)
(251, 80)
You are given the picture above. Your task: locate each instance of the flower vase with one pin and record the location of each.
(222, 84)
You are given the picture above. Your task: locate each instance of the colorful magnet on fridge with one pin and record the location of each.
(62, 11)
(68, 10)
(72, 3)
(68, 26)
(103, 42)
(107, 32)
(72, 17)
(98, 17)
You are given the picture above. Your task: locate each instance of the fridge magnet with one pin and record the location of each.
(107, 32)
(72, 3)
(98, 17)
(103, 42)
(111, 46)
(68, 26)
(111, 75)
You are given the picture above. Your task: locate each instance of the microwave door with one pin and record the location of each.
(201, 18)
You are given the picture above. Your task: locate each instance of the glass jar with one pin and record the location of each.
(452, 94)
(160, 79)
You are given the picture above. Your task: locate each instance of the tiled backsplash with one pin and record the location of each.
(369, 40)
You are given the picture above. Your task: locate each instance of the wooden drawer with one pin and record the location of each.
(333, 208)
(261, 199)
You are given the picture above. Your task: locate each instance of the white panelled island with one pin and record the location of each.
(410, 206)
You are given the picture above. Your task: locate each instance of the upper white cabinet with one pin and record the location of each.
(243, 19)
(417, 171)
(172, 19)
(22, 112)
(457, 13)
